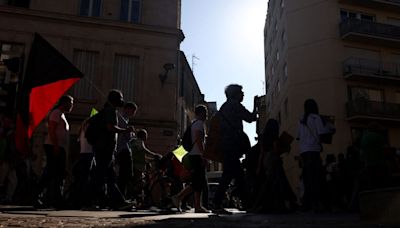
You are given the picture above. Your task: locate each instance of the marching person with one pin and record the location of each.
(198, 174)
(234, 143)
(55, 146)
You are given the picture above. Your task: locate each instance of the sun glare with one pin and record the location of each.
(248, 26)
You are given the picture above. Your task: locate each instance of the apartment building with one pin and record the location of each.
(131, 45)
(343, 53)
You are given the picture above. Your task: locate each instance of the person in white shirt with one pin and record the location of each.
(124, 152)
(310, 128)
(55, 146)
(198, 175)
(82, 190)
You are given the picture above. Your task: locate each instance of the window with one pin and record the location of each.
(87, 63)
(362, 53)
(285, 71)
(276, 26)
(273, 96)
(393, 21)
(365, 17)
(130, 11)
(18, 3)
(279, 118)
(272, 71)
(282, 6)
(9, 75)
(125, 71)
(278, 86)
(360, 93)
(277, 55)
(286, 108)
(90, 8)
(345, 14)
(397, 99)
(357, 133)
(283, 37)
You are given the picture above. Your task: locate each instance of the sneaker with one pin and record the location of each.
(91, 208)
(186, 208)
(201, 210)
(177, 203)
(221, 211)
(39, 204)
(126, 206)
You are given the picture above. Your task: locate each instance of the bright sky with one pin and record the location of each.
(227, 37)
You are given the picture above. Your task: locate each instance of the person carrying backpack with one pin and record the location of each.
(198, 175)
(104, 146)
(233, 143)
(310, 131)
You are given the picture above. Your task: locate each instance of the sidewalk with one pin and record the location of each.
(28, 217)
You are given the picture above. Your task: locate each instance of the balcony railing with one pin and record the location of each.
(391, 5)
(373, 109)
(390, 1)
(369, 28)
(369, 68)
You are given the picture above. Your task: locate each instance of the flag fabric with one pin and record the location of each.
(48, 76)
(93, 112)
(179, 153)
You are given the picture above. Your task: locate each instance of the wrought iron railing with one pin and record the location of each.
(352, 25)
(370, 67)
(385, 2)
(391, 1)
(373, 109)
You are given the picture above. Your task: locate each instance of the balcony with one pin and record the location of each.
(373, 70)
(373, 110)
(370, 32)
(390, 5)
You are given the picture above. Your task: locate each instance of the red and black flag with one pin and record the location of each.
(48, 76)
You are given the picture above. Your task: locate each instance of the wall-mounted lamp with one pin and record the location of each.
(167, 67)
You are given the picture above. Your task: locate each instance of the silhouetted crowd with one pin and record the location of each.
(116, 170)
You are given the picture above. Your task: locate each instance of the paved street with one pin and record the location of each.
(27, 217)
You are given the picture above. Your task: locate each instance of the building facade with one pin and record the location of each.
(345, 54)
(131, 45)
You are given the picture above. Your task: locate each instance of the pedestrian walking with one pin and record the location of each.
(275, 191)
(82, 189)
(234, 143)
(56, 142)
(310, 129)
(104, 147)
(198, 177)
(147, 173)
(8, 161)
(124, 152)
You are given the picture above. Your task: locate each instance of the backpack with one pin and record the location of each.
(330, 129)
(187, 138)
(213, 148)
(94, 128)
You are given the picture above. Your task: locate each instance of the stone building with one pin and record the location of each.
(345, 55)
(131, 45)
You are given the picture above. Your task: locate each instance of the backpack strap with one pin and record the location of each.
(191, 132)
